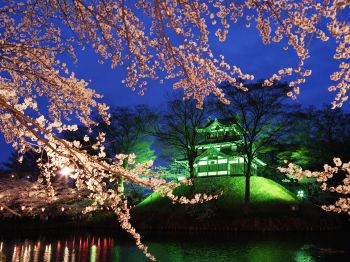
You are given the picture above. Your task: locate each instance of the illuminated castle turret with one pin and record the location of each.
(220, 152)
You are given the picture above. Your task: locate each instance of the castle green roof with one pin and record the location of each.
(217, 125)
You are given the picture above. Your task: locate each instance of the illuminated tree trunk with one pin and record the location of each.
(191, 169)
(247, 187)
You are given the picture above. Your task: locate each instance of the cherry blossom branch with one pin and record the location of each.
(342, 204)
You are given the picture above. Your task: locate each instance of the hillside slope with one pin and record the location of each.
(263, 191)
(272, 207)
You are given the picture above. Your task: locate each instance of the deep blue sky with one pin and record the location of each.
(242, 47)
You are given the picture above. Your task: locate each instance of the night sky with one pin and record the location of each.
(242, 47)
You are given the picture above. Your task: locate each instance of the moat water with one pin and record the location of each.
(85, 246)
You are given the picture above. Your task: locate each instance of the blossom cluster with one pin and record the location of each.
(342, 204)
(160, 40)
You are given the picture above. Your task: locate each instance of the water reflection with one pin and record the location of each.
(98, 248)
(29, 250)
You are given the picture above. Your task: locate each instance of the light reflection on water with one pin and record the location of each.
(69, 249)
(204, 248)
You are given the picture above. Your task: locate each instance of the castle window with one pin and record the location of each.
(222, 167)
(203, 168)
(212, 167)
(237, 168)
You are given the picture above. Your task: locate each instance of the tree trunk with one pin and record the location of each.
(247, 187)
(190, 165)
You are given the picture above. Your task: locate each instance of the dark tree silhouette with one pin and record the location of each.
(177, 128)
(259, 115)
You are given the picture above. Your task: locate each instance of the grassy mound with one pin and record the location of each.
(263, 191)
(271, 204)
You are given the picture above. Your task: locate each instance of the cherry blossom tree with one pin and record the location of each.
(20, 196)
(157, 40)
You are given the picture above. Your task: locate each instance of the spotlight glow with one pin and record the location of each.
(300, 194)
(66, 171)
